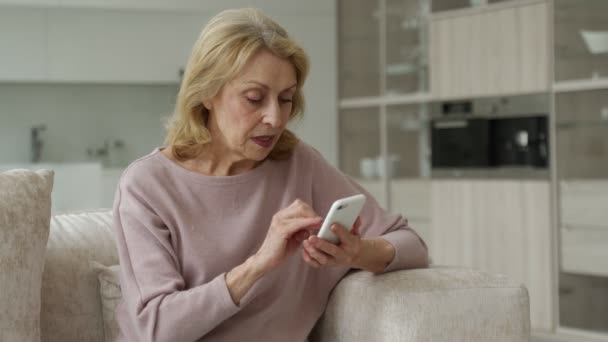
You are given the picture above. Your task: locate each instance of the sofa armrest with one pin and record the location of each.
(435, 304)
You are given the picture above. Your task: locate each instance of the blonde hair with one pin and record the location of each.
(224, 46)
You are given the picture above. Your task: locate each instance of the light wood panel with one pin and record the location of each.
(507, 46)
(495, 51)
(500, 227)
(584, 226)
(534, 47)
(412, 198)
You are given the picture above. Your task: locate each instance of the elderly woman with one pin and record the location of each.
(214, 230)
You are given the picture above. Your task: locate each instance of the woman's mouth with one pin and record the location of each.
(264, 141)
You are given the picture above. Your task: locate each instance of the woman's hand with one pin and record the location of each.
(318, 252)
(289, 227)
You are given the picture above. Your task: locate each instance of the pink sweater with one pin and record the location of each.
(179, 232)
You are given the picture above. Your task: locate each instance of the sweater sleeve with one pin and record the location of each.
(158, 305)
(330, 184)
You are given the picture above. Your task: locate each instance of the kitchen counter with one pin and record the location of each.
(76, 186)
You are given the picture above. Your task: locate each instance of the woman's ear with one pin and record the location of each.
(208, 105)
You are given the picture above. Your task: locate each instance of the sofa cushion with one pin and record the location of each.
(71, 309)
(110, 294)
(441, 303)
(25, 211)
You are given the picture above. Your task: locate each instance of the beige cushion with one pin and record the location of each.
(25, 211)
(71, 309)
(426, 305)
(110, 295)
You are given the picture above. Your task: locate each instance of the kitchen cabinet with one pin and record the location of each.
(406, 60)
(96, 46)
(359, 137)
(494, 51)
(119, 46)
(23, 43)
(212, 6)
(500, 226)
(582, 179)
(383, 48)
(412, 199)
(534, 48)
(358, 48)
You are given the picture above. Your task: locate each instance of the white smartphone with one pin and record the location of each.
(344, 212)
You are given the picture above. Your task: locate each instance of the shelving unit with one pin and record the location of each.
(482, 49)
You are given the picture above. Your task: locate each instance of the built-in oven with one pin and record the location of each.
(458, 143)
(463, 138)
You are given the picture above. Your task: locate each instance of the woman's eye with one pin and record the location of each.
(286, 100)
(254, 99)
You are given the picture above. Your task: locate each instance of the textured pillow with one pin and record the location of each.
(25, 213)
(109, 290)
(70, 305)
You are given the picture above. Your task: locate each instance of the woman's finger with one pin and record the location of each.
(309, 259)
(293, 225)
(325, 246)
(357, 226)
(302, 235)
(318, 256)
(298, 208)
(344, 235)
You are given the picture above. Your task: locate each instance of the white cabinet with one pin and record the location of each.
(500, 226)
(23, 44)
(93, 45)
(120, 46)
(494, 51)
(411, 198)
(584, 227)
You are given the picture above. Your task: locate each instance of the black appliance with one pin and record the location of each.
(479, 142)
(519, 142)
(459, 143)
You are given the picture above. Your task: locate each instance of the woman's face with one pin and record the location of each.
(248, 115)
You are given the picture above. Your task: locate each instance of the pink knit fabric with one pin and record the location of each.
(179, 232)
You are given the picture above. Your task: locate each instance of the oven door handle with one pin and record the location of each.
(450, 124)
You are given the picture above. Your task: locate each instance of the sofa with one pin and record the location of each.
(58, 284)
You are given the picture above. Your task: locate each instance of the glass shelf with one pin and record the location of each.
(359, 136)
(449, 5)
(358, 48)
(581, 39)
(408, 141)
(582, 171)
(582, 125)
(406, 67)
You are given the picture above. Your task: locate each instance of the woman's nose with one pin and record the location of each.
(273, 115)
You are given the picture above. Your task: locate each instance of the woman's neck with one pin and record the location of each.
(215, 162)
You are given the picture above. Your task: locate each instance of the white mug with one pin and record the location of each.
(393, 165)
(368, 168)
